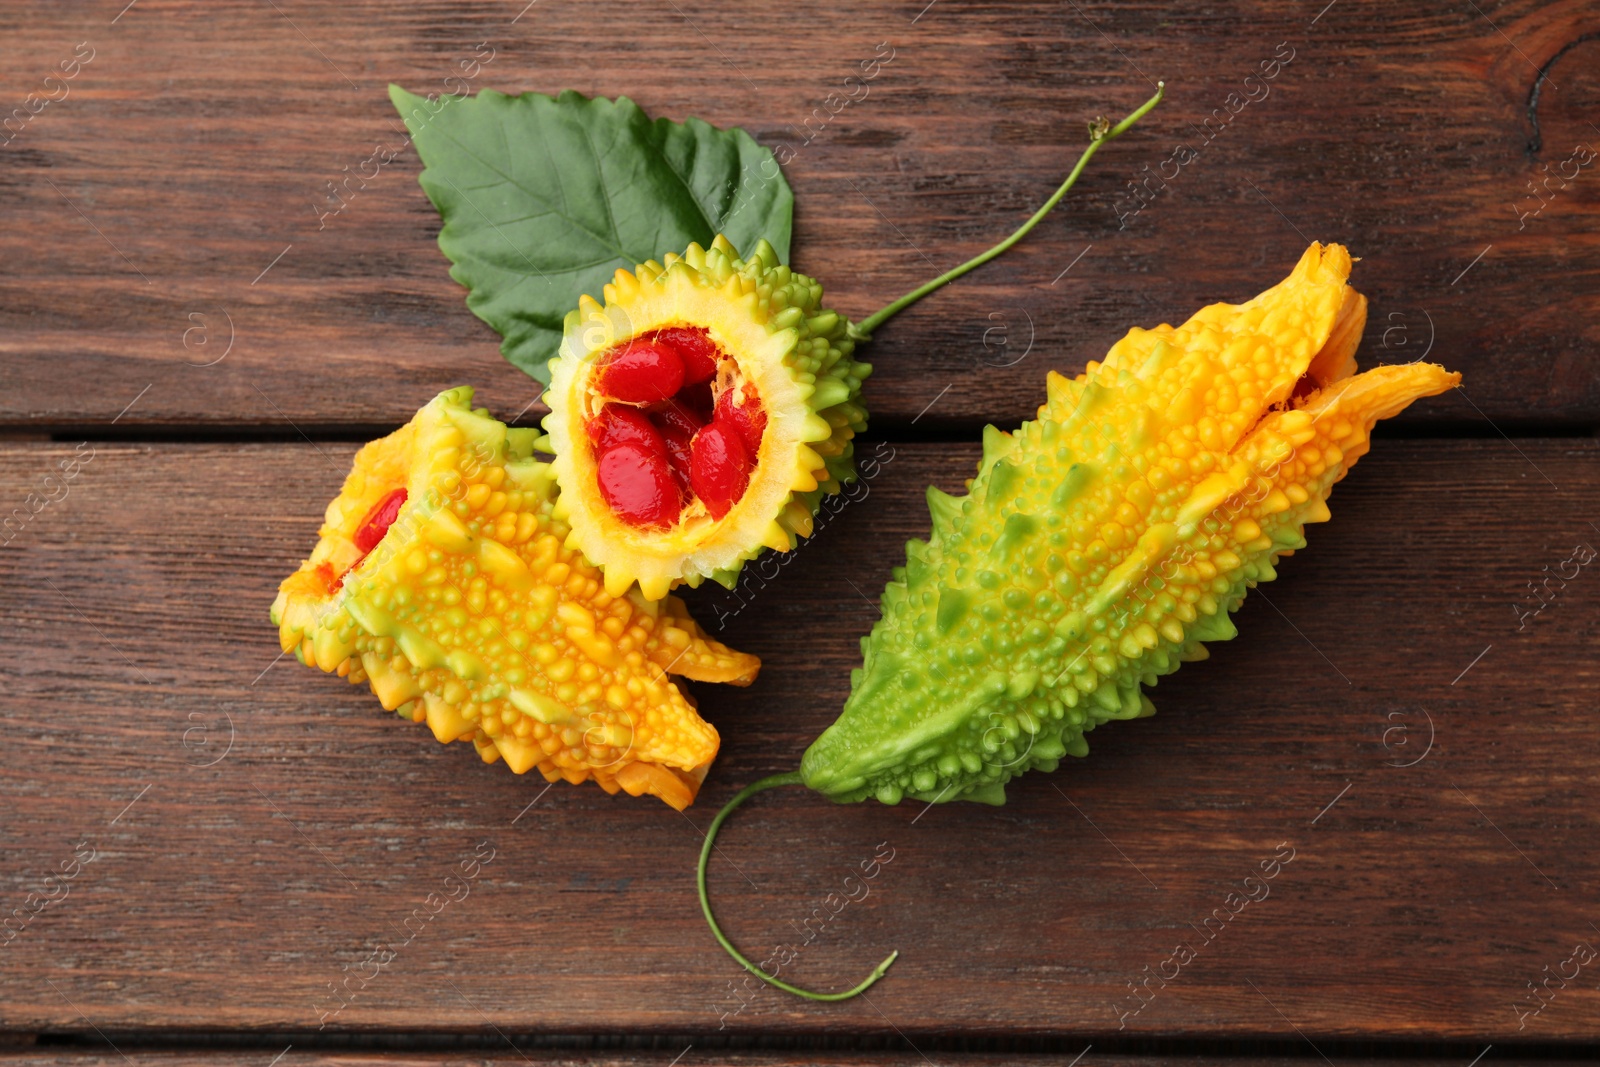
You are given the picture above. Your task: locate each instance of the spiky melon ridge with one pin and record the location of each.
(1100, 545)
(473, 616)
(797, 354)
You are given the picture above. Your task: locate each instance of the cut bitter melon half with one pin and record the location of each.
(699, 416)
(442, 578)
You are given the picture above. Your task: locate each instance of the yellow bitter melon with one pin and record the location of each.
(1100, 545)
(441, 577)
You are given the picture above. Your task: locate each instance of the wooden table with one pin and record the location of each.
(174, 315)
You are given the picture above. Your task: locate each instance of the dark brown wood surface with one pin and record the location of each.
(690, 1056)
(258, 826)
(170, 201)
(175, 318)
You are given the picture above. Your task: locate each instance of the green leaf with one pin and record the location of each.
(543, 199)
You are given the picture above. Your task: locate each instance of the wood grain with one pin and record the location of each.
(169, 203)
(692, 1057)
(240, 869)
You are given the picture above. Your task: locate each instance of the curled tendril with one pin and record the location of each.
(773, 782)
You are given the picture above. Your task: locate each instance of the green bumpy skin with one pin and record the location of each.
(1100, 545)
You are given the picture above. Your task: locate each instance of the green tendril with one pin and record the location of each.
(1099, 133)
(776, 780)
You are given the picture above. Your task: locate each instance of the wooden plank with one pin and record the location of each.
(690, 1057)
(170, 202)
(258, 828)
(696, 1056)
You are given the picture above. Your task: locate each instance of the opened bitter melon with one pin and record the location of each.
(699, 416)
(441, 577)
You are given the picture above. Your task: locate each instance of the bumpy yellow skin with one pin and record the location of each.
(473, 616)
(795, 353)
(1100, 545)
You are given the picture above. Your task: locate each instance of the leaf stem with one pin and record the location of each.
(773, 782)
(1099, 135)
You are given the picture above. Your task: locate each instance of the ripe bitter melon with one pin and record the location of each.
(1100, 545)
(441, 577)
(699, 416)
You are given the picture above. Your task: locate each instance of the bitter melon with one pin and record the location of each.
(699, 415)
(441, 577)
(1100, 546)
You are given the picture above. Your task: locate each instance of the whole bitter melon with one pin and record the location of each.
(1101, 544)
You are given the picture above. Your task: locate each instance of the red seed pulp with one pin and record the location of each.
(638, 486)
(697, 400)
(378, 521)
(368, 534)
(619, 424)
(719, 470)
(642, 373)
(695, 347)
(677, 425)
(744, 415)
(671, 435)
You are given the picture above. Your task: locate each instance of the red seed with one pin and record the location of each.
(378, 521)
(678, 460)
(618, 424)
(695, 347)
(747, 418)
(643, 372)
(638, 486)
(719, 470)
(677, 426)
